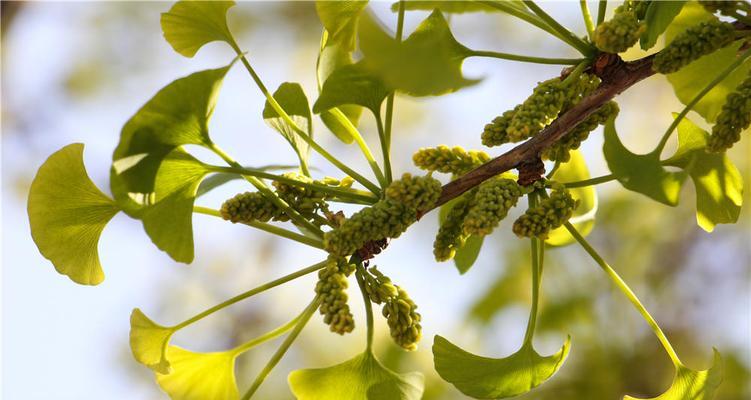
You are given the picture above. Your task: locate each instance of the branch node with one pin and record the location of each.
(530, 171)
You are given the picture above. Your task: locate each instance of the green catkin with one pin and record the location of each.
(416, 192)
(733, 119)
(694, 43)
(491, 204)
(621, 32)
(378, 286)
(724, 7)
(403, 320)
(449, 160)
(332, 288)
(559, 151)
(494, 133)
(451, 235)
(549, 214)
(250, 206)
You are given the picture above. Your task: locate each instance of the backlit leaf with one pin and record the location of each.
(659, 15)
(351, 84)
(467, 254)
(330, 58)
(340, 20)
(495, 378)
(149, 341)
(200, 376)
(584, 215)
(457, 7)
(177, 115)
(427, 63)
(693, 78)
(292, 99)
(641, 173)
(692, 385)
(718, 183)
(67, 214)
(189, 25)
(169, 221)
(362, 377)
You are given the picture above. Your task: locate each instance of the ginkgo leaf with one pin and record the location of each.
(641, 173)
(457, 7)
(292, 99)
(351, 84)
(466, 255)
(169, 221)
(362, 377)
(178, 114)
(495, 378)
(67, 214)
(340, 20)
(718, 183)
(693, 78)
(692, 385)
(189, 25)
(659, 16)
(200, 376)
(330, 58)
(583, 217)
(149, 341)
(427, 63)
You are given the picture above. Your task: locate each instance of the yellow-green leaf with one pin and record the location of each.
(340, 20)
(200, 376)
(718, 183)
(149, 341)
(584, 215)
(189, 25)
(495, 378)
(330, 58)
(362, 377)
(466, 255)
(659, 16)
(351, 84)
(455, 7)
(692, 385)
(67, 214)
(293, 101)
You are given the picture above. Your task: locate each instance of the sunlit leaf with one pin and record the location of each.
(177, 115)
(467, 254)
(584, 215)
(292, 99)
(169, 221)
(427, 63)
(200, 376)
(495, 378)
(456, 7)
(351, 84)
(149, 341)
(641, 173)
(693, 78)
(362, 377)
(340, 20)
(67, 214)
(330, 58)
(659, 15)
(189, 25)
(718, 183)
(692, 385)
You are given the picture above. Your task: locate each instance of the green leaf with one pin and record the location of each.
(189, 25)
(149, 341)
(659, 16)
(495, 378)
(718, 183)
(693, 78)
(177, 115)
(427, 63)
(169, 221)
(330, 58)
(641, 173)
(200, 376)
(467, 254)
(340, 20)
(584, 215)
(351, 84)
(692, 385)
(362, 377)
(455, 7)
(67, 214)
(293, 100)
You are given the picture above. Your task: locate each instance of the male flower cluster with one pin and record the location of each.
(332, 288)
(620, 32)
(449, 160)
(693, 43)
(559, 151)
(549, 214)
(398, 308)
(494, 198)
(733, 119)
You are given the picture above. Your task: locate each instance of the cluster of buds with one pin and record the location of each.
(622, 31)
(692, 44)
(559, 151)
(332, 289)
(733, 119)
(449, 160)
(549, 214)
(451, 236)
(494, 198)
(398, 309)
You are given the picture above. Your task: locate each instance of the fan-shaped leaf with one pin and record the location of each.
(177, 115)
(189, 25)
(293, 100)
(149, 341)
(495, 378)
(718, 183)
(362, 377)
(330, 58)
(692, 385)
(466, 255)
(351, 84)
(641, 173)
(693, 78)
(67, 214)
(340, 20)
(584, 215)
(200, 376)
(659, 16)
